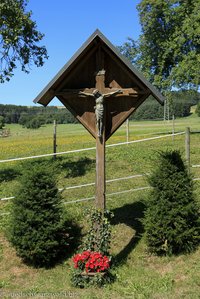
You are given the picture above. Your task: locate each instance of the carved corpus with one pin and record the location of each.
(101, 89)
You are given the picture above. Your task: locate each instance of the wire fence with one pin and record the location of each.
(93, 197)
(92, 184)
(89, 149)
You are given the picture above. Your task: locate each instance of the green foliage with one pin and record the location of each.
(170, 42)
(197, 111)
(98, 240)
(45, 115)
(31, 122)
(179, 106)
(168, 50)
(98, 280)
(99, 234)
(30, 116)
(18, 38)
(150, 109)
(172, 218)
(130, 50)
(2, 122)
(37, 228)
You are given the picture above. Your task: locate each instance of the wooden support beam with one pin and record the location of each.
(100, 198)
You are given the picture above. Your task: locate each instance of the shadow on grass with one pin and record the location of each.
(70, 168)
(73, 242)
(8, 174)
(131, 215)
(77, 168)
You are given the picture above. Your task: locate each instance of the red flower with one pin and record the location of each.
(91, 261)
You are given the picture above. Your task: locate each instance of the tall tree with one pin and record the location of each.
(19, 39)
(168, 49)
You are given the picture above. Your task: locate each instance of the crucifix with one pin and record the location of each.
(101, 94)
(101, 89)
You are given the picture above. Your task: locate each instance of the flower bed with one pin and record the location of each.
(92, 265)
(91, 268)
(89, 261)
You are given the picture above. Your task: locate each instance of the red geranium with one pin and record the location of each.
(91, 261)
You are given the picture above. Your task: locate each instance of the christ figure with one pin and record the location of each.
(99, 107)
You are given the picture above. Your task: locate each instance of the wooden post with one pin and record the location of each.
(127, 130)
(173, 127)
(187, 147)
(164, 117)
(100, 173)
(100, 198)
(168, 110)
(54, 138)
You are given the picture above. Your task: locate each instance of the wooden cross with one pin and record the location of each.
(99, 99)
(100, 90)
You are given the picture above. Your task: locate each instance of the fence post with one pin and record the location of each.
(127, 130)
(187, 147)
(173, 127)
(54, 138)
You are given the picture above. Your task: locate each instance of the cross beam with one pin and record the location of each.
(100, 92)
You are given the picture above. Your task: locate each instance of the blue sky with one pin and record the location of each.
(66, 25)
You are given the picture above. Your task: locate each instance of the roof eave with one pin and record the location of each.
(43, 95)
(47, 94)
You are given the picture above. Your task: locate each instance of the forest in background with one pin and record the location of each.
(34, 117)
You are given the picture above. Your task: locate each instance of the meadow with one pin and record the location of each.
(139, 274)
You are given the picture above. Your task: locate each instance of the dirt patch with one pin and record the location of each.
(18, 271)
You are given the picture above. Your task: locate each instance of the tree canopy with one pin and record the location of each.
(168, 50)
(19, 39)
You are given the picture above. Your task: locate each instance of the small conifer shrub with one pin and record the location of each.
(37, 228)
(172, 218)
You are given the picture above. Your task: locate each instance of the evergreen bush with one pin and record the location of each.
(38, 228)
(172, 218)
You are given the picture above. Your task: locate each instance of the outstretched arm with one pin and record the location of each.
(86, 94)
(113, 93)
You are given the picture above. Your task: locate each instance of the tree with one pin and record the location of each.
(2, 122)
(168, 50)
(19, 39)
(37, 228)
(172, 218)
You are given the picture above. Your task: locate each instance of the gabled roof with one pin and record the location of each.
(48, 93)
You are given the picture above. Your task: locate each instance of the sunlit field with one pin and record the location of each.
(139, 274)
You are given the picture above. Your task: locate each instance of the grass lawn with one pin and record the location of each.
(139, 274)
